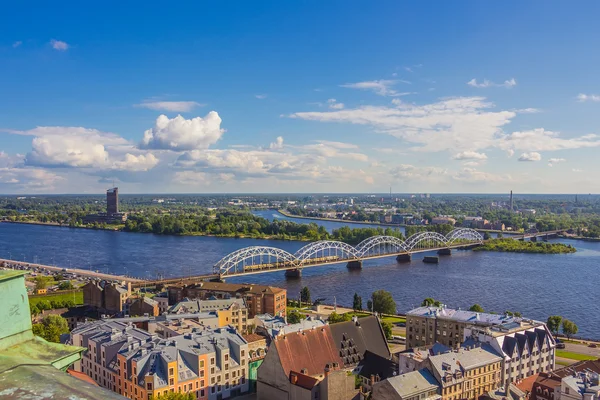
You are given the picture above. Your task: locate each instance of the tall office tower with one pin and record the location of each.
(112, 201)
(511, 202)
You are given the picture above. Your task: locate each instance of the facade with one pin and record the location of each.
(143, 305)
(106, 296)
(231, 311)
(416, 385)
(418, 358)
(170, 328)
(257, 350)
(163, 303)
(428, 325)
(354, 338)
(527, 347)
(443, 221)
(467, 373)
(304, 365)
(210, 364)
(259, 299)
(112, 201)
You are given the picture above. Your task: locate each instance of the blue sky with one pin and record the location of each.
(303, 96)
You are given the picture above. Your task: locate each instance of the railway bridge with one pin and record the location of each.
(262, 259)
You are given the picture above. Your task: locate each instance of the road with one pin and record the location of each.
(82, 272)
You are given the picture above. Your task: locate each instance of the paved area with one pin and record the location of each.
(81, 272)
(582, 349)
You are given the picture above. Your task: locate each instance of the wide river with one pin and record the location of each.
(537, 285)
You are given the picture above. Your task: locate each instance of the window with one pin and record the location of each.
(212, 361)
(149, 386)
(171, 382)
(201, 363)
(243, 353)
(226, 357)
(170, 371)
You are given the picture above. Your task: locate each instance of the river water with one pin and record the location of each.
(537, 285)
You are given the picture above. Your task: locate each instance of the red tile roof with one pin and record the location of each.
(304, 381)
(253, 337)
(308, 351)
(82, 376)
(526, 385)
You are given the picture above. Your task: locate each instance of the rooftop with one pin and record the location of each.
(452, 365)
(407, 385)
(278, 325)
(236, 287)
(459, 315)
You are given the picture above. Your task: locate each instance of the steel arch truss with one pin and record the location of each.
(325, 251)
(250, 258)
(424, 240)
(464, 235)
(378, 245)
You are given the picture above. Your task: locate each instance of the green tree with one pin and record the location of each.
(334, 317)
(66, 285)
(476, 308)
(305, 295)
(44, 305)
(370, 305)
(554, 322)
(383, 302)
(51, 328)
(41, 282)
(294, 317)
(177, 396)
(428, 302)
(487, 236)
(569, 328)
(387, 329)
(357, 302)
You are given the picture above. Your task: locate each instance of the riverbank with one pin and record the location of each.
(341, 221)
(518, 246)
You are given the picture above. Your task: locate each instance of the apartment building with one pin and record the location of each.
(414, 385)
(210, 364)
(467, 373)
(106, 296)
(231, 311)
(259, 299)
(428, 325)
(526, 346)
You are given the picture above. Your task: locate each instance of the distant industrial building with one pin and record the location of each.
(112, 214)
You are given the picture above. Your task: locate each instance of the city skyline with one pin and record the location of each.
(311, 98)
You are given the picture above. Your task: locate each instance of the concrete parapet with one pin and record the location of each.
(355, 264)
(293, 273)
(404, 257)
(445, 252)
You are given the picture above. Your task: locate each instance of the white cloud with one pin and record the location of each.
(260, 96)
(472, 175)
(278, 144)
(59, 45)
(459, 124)
(408, 172)
(28, 179)
(333, 104)
(181, 134)
(471, 163)
(191, 178)
(486, 83)
(577, 170)
(384, 150)
(381, 87)
(532, 156)
(470, 155)
(581, 97)
(173, 106)
(408, 69)
(17, 44)
(78, 147)
(542, 140)
(554, 161)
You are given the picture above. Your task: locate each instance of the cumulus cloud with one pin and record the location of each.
(381, 87)
(553, 161)
(17, 44)
(532, 156)
(450, 124)
(334, 105)
(28, 179)
(408, 172)
(191, 178)
(581, 97)
(278, 144)
(486, 83)
(182, 134)
(59, 45)
(78, 147)
(173, 106)
(543, 140)
(470, 155)
(260, 96)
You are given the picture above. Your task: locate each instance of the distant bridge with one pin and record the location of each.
(261, 259)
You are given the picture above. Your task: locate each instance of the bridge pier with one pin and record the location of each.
(293, 273)
(355, 264)
(533, 239)
(404, 257)
(445, 252)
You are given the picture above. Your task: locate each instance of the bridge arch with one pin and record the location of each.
(467, 234)
(325, 250)
(376, 245)
(425, 239)
(248, 258)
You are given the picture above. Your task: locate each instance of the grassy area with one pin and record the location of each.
(394, 320)
(77, 297)
(517, 246)
(563, 363)
(574, 356)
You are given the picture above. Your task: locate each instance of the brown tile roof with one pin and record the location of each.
(234, 287)
(253, 337)
(593, 365)
(304, 381)
(307, 351)
(526, 385)
(82, 376)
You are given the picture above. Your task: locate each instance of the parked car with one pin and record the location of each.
(560, 345)
(593, 345)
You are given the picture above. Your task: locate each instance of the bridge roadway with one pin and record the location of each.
(81, 272)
